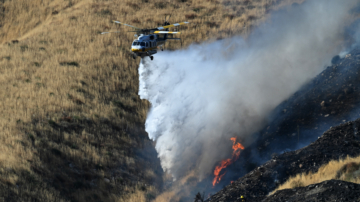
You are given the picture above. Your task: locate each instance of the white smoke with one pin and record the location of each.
(208, 93)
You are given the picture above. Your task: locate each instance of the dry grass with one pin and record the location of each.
(345, 169)
(71, 118)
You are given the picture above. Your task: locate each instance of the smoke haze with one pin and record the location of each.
(208, 93)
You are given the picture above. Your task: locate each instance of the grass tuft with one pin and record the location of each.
(344, 169)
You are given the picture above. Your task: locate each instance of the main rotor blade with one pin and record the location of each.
(173, 25)
(109, 32)
(114, 21)
(165, 32)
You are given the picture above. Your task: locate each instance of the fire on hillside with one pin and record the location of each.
(225, 163)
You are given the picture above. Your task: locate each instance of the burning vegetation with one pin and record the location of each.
(225, 163)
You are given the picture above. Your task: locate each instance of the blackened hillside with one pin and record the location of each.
(329, 99)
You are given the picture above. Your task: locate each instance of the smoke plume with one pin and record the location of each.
(208, 93)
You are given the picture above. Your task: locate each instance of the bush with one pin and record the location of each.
(197, 9)
(134, 6)
(105, 12)
(69, 64)
(150, 196)
(160, 5)
(335, 60)
(347, 169)
(190, 16)
(23, 48)
(296, 183)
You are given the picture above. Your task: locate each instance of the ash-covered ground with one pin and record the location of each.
(338, 142)
(332, 98)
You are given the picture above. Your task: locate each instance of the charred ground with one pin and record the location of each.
(338, 142)
(328, 100)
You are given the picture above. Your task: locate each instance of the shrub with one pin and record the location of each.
(160, 5)
(197, 9)
(23, 48)
(133, 5)
(190, 16)
(73, 63)
(211, 24)
(105, 12)
(346, 169)
(296, 183)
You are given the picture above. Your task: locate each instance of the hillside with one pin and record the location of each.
(71, 119)
(328, 100)
(338, 142)
(307, 119)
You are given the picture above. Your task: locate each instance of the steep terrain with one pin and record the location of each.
(326, 101)
(72, 123)
(338, 142)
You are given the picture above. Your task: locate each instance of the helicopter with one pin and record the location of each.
(148, 40)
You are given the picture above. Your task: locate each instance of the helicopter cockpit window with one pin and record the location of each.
(147, 44)
(135, 43)
(142, 43)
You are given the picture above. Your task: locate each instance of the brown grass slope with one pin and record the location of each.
(71, 122)
(347, 169)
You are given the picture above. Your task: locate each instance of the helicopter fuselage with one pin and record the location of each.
(146, 45)
(149, 40)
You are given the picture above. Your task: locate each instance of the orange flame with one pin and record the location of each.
(225, 163)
